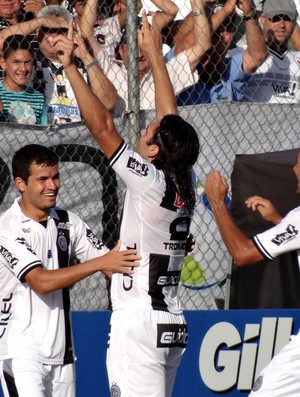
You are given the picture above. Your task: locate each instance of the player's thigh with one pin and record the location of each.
(62, 382)
(281, 376)
(23, 378)
(141, 357)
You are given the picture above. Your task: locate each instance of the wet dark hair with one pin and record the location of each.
(16, 42)
(179, 148)
(31, 154)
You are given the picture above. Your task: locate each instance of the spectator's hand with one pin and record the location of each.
(64, 46)
(246, 6)
(81, 50)
(1, 105)
(33, 6)
(265, 207)
(216, 188)
(149, 39)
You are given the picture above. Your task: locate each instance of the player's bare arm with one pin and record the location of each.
(265, 208)
(150, 42)
(241, 248)
(44, 281)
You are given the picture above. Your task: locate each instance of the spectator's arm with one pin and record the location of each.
(219, 17)
(87, 24)
(168, 12)
(150, 42)
(25, 28)
(256, 50)
(202, 34)
(99, 83)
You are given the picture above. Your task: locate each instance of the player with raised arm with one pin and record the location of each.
(148, 331)
(281, 376)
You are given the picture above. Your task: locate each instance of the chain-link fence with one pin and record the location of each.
(92, 190)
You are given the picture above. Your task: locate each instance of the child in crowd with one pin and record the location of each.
(20, 103)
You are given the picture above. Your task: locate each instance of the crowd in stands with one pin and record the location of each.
(226, 50)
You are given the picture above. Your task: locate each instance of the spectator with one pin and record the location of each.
(109, 31)
(38, 245)
(50, 76)
(280, 377)
(158, 207)
(222, 74)
(21, 104)
(182, 68)
(276, 80)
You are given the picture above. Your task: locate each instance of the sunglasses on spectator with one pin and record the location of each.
(46, 30)
(280, 17)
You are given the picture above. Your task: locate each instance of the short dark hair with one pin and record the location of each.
(17, 42)
(31, 154)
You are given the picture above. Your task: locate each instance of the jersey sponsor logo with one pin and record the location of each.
(283, 238)
(174, 246)
(21, 240)
(178, 201)
(285, 91)
(96, 243)
(137, 167)
(64, 225)
(169, 280)
(172, 335)
(10, 259)
(5, 313)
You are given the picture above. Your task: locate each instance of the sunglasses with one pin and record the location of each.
(46, 30)
(280, 17)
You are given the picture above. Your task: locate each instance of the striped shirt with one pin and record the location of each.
(24, 107)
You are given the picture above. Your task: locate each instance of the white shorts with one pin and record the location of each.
(30, 378)
(281, 376)
(144, 352)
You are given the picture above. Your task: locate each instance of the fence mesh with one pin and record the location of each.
(92, 190)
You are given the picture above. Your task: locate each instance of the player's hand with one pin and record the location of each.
(149, 39)
(190, 243)
(120, 261)
(64, 46)
(216, 188)
(265, 208)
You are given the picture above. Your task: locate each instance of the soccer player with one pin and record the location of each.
(148, 331)
(38, 244)
(281, 376)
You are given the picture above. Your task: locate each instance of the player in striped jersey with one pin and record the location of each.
(38, 244)
(148, 330)
(21, 104)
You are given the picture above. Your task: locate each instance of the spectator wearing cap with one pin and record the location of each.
(222, 72)
(182, 68)
(277, 79)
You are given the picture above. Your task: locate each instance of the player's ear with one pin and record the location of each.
(153, 151)
(20, 184)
